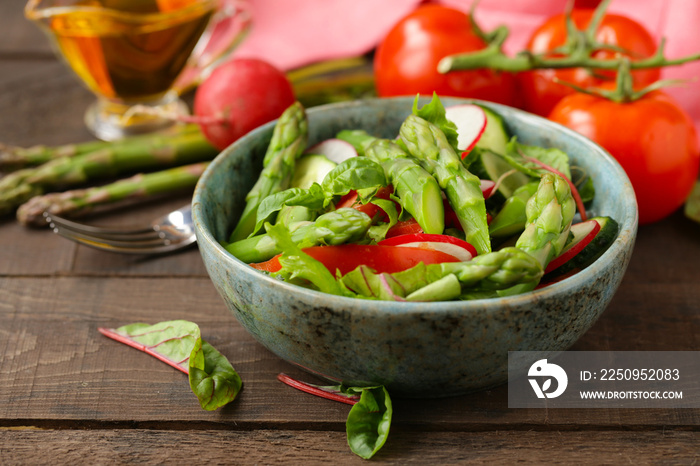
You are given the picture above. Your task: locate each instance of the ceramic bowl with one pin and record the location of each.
(414, 349)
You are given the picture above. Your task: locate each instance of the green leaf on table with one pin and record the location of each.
(692, 204)
(212, 378)
(369, 419)
(179, 344)
(368, 422)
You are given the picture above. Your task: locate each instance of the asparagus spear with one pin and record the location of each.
(496, 270)
(113, 160)
(549, 214)
(442, 282)
(19, 157)
(333, 228)
(78, 202)
(420, 194)
(427, 142)
(288, 142)
(337, 227)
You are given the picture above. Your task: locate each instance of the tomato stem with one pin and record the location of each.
(578, 51)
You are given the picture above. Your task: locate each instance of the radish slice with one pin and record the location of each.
(336, 150)
(487, 187)
(588, 229)
(444, 243)
(471, 123)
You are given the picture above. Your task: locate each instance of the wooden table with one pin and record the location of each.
(69, 395)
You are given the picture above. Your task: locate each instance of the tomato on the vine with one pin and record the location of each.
(653, 139)
(539, 91)
(405, 62)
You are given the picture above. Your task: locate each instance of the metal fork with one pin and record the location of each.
(168, 233)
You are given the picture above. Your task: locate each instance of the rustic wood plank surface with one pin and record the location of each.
(69, 395)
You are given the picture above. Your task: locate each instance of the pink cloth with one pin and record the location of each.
(291, 33)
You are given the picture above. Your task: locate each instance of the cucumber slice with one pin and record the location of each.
(488, 164)
(496, 135)
(585, 256)
(310, 169)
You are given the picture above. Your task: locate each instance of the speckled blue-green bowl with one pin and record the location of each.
(414, 349)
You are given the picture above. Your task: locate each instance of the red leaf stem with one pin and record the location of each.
(574, 191)
(318, 391)
(110, 333)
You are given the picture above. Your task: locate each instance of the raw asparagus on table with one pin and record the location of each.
(419, 192)
(14, 157)
(154, 152)
(79, 202)
(428, 143)
(288, 142)
(332, 228)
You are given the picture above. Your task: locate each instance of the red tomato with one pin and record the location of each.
(538, 90)
(406, 60)
(351, 200)
(653, 139)
(383, 259)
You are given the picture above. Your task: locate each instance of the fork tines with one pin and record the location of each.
(145, 240)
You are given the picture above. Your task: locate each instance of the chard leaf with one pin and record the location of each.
(296, 264)
(212, 378)
(357, 173)
(178, 343)
(365, 282)
(312, 198)
(520, 157)
(434, 112)
(369, 420)
(378, 232)
(586, 190)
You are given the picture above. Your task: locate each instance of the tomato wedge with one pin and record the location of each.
(404, 227)
(383, 259)
(350, 200)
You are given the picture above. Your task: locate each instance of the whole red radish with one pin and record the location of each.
(238, 96)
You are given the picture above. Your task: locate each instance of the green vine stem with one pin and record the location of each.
(624, 86)
(576, 52)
